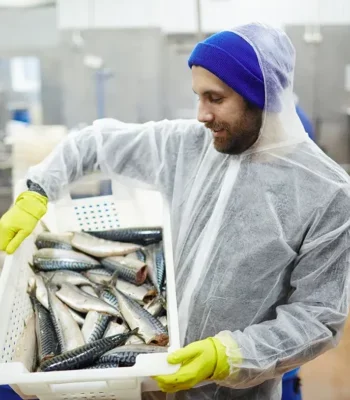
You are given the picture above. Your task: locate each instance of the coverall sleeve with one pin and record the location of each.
(312, 320)
(136, 151)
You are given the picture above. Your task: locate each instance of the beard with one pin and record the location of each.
(239, 135)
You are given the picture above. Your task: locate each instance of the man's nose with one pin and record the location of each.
(204, 115)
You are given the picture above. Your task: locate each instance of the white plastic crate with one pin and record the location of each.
(122, 383)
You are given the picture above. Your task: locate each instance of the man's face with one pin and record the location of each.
(235, 124)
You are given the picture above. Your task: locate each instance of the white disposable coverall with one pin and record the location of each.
(261, 239)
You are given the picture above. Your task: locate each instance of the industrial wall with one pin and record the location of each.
(320, 83)
(150, 78)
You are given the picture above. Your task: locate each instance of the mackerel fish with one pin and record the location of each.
(115, 328)
(137, 255)
(47, 341)
(156, 265)
(57, 278)
(56, 259)
(139, 235)
(98, 276)
(54, 241)
(141, 294)
(78, 318)
(89, 290)
(150, 329)
(86, 355)
(83, 302)
(36, 286)
(94, 326)
(131, 270)
(101, 248)
(67, 330)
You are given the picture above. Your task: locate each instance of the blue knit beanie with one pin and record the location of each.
(232, 59)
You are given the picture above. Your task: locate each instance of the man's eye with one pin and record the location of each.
(216, 101)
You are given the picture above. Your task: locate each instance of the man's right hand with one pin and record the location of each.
(21, 219)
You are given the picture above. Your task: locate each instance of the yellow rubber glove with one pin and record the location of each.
(21, 219)
(202, 360)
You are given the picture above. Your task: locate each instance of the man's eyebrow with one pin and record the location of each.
(211, 92)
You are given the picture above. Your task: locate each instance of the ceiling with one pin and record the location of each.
(25, 3)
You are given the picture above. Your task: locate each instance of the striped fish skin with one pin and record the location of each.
(109, 298)
(140, 235)
(160, 266)
(94, 326)
(131, 270)
(138, 255)
(48, 346)
(54, 241)
(84, 356)
(150, 329)
(56, 259)
(125, 356)
(67, 329)
(57, 278)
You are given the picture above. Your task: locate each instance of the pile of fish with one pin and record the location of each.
(99, 298)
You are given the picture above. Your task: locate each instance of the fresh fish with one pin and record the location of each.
(114, 328)
(67, 330)
(47, 341)
(99, 276)
(89, 290)
(163, 320)
(156, 265)
(83, 302)
(109, 298)
(155, 307)
(54, 241)
(103, 366)
(101, 248)
(57, 278)
(140, 235)
(138, 255)
(78, 318)
(86, 355)
(134, 340)
(56, 259)
(160, 265)
(125, 356)
(141, 294)
(94, 326)
(37, 287)
(150, 329)
(129, 269)
(26, 347)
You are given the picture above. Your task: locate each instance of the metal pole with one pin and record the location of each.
(199, 21)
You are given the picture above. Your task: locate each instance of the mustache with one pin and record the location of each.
(216, 126)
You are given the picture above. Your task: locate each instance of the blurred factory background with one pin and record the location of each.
(65, 63)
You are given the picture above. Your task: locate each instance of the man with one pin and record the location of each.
(260, 217)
